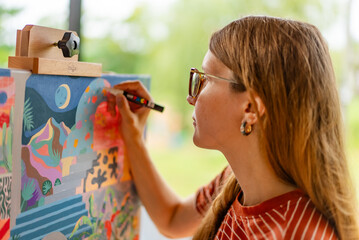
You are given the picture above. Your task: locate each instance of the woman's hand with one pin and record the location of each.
(133, 116)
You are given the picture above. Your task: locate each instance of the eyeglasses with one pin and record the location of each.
(196, 79)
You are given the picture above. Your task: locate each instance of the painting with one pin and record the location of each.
(73, 180)
(7, 100)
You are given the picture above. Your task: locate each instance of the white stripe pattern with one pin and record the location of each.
(249, 226)
(278, 225)
(307, 226)
(280, 215)
(326, 225)
(286, 212)
(293, 213)
(231, 227)
(255, 222)
(271, 229)
(238, 224)
(301, 218)
(331, 236)
(316, 227)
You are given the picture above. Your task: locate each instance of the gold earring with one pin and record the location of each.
(246, 129)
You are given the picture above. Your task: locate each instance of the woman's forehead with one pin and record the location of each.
(212, 65)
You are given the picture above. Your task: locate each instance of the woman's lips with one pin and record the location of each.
(194, 121)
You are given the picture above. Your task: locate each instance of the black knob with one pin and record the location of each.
(70, 44)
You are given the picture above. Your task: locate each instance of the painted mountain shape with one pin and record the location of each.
(41, 167)
(48, 143)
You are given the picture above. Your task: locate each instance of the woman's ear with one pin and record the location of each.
(260, 105)
(250, 115)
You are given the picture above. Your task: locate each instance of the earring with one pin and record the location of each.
(246, 129)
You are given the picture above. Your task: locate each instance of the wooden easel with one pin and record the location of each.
(36, 50)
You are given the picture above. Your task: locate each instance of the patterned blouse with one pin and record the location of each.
(288, 216)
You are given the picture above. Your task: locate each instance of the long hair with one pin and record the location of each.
(287, 64)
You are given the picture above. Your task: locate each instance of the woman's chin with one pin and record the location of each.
(198, 142)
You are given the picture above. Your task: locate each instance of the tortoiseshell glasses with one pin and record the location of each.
(196, 79)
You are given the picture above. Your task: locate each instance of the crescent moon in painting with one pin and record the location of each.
(62, 96)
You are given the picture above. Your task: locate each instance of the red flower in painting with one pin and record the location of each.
(4, 118)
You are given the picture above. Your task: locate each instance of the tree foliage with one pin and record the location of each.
(5, 49)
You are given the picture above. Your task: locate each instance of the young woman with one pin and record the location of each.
(266, 99)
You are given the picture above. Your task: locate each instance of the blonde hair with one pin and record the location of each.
(287, 64)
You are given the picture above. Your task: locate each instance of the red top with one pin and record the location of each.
(288, 216)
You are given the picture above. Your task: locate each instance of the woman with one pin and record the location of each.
(267, 100)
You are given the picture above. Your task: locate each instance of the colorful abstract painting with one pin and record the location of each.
(7, 100)
(5, 191)
(4, 228)
(111, 216)
(73, 180)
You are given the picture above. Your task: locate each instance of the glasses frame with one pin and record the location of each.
(202, 79)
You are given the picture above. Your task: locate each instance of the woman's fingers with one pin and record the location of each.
(134, 87)
(133, 115)
(123, 107)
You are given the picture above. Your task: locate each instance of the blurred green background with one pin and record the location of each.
(166, 38)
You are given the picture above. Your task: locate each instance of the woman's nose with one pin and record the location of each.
(191, 100)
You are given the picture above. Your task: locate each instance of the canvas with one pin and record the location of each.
(62, 169)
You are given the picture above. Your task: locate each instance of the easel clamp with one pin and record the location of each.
(36, 51)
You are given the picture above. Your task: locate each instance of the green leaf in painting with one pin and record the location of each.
(46, 187)
(28, 190)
